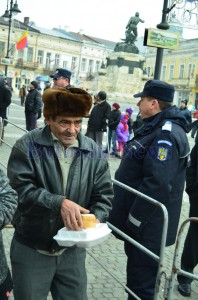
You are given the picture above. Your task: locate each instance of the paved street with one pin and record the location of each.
(106, 262)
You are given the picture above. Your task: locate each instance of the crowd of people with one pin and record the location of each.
(56, 173)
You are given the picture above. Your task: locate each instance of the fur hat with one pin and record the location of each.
(34, 83)
(74, 102)
(116, 105)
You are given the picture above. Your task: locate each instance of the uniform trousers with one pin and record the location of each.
(35, 274)
(141, 272)
(189, 258)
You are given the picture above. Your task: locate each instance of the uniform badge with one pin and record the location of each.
(162, 153)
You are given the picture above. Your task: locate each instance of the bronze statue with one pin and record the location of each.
(131, 29)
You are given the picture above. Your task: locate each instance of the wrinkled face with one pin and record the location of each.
(146, 107)
(61, 82)
(65, 128)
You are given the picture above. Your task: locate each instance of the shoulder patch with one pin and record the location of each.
(164, 142)
(167, 126)
(162, 153)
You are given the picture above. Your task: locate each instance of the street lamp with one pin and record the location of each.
(12, 11)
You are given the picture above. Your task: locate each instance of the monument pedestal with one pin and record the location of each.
(123, 74)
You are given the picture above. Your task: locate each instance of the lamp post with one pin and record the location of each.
(12, 11)
(163, 25)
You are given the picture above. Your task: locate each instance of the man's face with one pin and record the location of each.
(146, 107)
(182, 105)
(61, 82)
(65, 128)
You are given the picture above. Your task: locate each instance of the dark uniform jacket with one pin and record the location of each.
(99, 116)
(154, 163)
(35, 173)
(192, 175)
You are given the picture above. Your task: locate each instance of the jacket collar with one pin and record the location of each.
(45, 138)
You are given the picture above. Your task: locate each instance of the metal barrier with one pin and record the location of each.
(176, 270)
(159, 259)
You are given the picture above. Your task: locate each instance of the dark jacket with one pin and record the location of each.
(114, 119)
(99, 116)
(154, 163)
(8, 204)
(35, 173)
(192, 174)
(130, 125)
(5, 100)
(187, 114)
(33, 101)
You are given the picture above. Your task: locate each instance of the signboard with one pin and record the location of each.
(159, 38)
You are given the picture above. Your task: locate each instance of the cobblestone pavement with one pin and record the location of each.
(106, 263)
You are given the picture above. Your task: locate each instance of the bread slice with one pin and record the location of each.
(89, 221)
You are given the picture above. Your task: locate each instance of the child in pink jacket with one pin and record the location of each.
(122, 134)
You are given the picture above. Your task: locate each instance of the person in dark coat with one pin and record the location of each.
(98, 117)
(189, 258)
(114, 119)
(129, 111)
(58, 174)
(5, 100)
(32, 106)
(184, 111)
(154, 163)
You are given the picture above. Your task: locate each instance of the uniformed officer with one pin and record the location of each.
(154, 163)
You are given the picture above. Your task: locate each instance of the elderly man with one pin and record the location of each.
(154, 163)
(62, 78)
(58, 174)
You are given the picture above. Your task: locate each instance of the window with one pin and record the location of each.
(40, 55)
(90, 66)
(65, 63)
(18, 83)
(20, 53)
(30, 54)
(171, 74)
(27, 83)
(163, 72)
(12, 49)
(2, 49)
(97, 67)
(73, 63)
(83, 64)
(57, 60)
(181, 72)
(193, 71)
(48, 59)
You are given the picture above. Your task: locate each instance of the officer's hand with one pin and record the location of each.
(71, 214)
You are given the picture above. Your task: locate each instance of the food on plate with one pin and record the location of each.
(89, 221)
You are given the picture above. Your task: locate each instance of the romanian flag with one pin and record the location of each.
(22, 41)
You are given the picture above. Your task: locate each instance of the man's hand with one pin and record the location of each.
(70, 213)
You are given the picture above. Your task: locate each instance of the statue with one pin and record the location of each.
(131, 33)
(131, 29)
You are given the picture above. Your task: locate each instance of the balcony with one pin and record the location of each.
(21, 64)
(182, 83)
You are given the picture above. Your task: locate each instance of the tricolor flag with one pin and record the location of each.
(22, 41)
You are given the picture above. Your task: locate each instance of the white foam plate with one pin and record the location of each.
(84, 238)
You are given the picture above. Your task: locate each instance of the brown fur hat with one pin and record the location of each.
(74, 102)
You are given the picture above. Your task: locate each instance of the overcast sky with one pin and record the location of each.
(100, 18)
